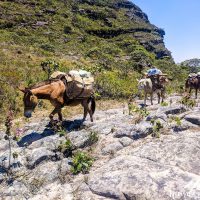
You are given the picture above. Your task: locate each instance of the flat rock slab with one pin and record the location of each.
(193, 118)
(130, 177)
(36, 156)
(160, 169)
(112, 148)
(135, 132)
(173, 110)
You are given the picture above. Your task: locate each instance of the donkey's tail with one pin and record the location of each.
(93, 104)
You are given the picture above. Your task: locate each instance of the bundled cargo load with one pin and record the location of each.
(79, 84)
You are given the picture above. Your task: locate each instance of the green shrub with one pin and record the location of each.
(164, 104)
(49, 66)
(93, 138)
(66, 148)
(186, 101)
(157, 126)
(113, 84)
(139, 113)
(48, 47)
(81, 162)
(176, 119)
(67, 29)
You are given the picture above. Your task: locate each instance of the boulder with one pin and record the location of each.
(138, 131)
(79, 138)
(125, 141)
(112, 148)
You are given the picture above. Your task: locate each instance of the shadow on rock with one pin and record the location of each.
(48, 131)
(34, 136)
(73, 125)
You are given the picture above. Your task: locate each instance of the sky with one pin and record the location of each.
(181, 21)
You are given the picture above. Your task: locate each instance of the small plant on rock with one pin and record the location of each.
(157, 126)
(58, 128)
(142, 112)
(176, 119)
(186, 101)
(81, 163)
(66, 148)
(93, 138)
(164, 104)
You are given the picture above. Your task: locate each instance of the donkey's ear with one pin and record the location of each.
(22, 89)
(28, 91)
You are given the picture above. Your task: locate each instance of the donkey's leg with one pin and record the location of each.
(60, 115)
(196, 91)
(89, 105)
(85, 106)
(151, 95)
(56, 110)
(158, 93)
(190, 91)
(163, 95)
(52, 114)
(145, 98)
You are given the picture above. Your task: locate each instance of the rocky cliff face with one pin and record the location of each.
(58, 20)
(134, 159)
(150, 36)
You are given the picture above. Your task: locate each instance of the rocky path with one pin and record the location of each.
(130, 164)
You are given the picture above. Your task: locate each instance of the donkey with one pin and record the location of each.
(192, 83)
(148, 87)
(54, 91)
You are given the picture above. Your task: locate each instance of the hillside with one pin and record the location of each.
(77, 26)
(193, 64)
(112, 39)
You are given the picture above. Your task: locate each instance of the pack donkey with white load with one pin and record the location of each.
(153, 82)
(71, 89)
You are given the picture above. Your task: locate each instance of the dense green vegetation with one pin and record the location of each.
(95, 35)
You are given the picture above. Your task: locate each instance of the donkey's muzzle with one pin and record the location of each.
(28, 114)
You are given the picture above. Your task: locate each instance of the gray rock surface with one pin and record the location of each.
(194, 118)
(129, 162)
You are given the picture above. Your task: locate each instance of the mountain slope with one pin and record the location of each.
(112, 39)
(59, 25)
(193, 64)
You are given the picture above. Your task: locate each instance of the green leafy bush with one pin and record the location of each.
(157, 126)
(113, 84)
(93, 138)
(186, 101)
(81, 162)
(48, 47)
(164, 104)
(66, 148)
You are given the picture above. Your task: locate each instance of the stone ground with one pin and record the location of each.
(130, 164)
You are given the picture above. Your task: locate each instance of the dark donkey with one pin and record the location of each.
(54, 91)
(192, 83)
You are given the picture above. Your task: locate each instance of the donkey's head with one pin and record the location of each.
(30, 102)
(163, 80)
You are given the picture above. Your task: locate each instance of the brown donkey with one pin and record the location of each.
(192, 83)
(54, 90)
